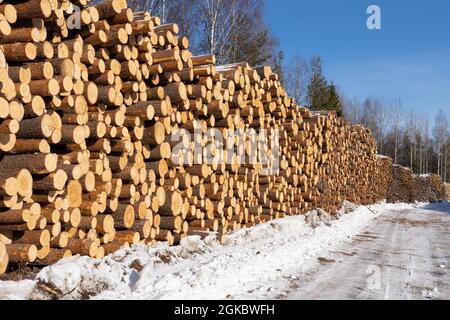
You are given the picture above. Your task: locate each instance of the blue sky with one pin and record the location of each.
(409, 58)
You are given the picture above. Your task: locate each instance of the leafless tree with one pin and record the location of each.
(234, 31)
(158, 8)
(182, 12)
(296, 78)
(440, 134)
(352, 109)
(218, 18)
(396, 113)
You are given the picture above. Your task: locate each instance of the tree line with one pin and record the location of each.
(232, 30)
(411, 138)
(235, 31)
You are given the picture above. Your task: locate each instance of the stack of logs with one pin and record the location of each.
(428, 188)
(89, 102)
(447, 186)
(383, 177)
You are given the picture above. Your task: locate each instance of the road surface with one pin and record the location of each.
(382, 251)
(404, 254)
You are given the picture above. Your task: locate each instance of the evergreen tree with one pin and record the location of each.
(318, 86)
(321, 95)
(334, 100)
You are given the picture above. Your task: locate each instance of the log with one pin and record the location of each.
(19, 252)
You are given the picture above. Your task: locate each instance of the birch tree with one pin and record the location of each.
(396, 112)
(440, 135)
(158, 8)
(296, 78)
(352, 110)
(234, 31)
(182, 12)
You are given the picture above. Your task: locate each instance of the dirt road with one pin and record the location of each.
(404, 254)
(383, 251)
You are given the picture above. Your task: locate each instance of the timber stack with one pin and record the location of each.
(91, 98)
(447, 186)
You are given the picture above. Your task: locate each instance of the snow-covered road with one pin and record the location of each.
(404, 254)
(380, 251)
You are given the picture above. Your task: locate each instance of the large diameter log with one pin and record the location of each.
(74, 194)
(51, 182)
(36, 237)
(177, 92)
(19, 52)
(36, 107)
(25, 183)
(40, 70)
(124, 216)
(14, 216)
(36, 128)
(23, 35)
(45, 88)
(20, 74)
(143, 110)
(30, 146)
(173, 204)
(72, 134)
(154, 135)
(20, 252)
(35, 163)
(33, 9)
(105, 223)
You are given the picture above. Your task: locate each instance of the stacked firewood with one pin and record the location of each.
(106, 137)
(401, 188)
(447, 186)
(383, 178)
(428, 188)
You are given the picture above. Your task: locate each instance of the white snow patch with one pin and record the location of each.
(253, 263)
(16, 290)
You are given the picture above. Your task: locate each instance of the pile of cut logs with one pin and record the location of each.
(91, 97)
(428, 188)
(383, 178)
(447, 186)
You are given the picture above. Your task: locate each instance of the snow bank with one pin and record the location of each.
(253, 263)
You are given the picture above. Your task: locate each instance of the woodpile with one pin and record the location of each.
(90, 102)
(407, 187)
(447, 185)
(429, 188)
(401, 188)
(383, 178)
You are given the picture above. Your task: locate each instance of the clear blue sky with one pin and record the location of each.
(409, 58)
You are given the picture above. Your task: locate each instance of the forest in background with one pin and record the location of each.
(235, 31)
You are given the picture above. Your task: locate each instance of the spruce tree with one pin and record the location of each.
(318, 86)
(321, 95)
(334, 100)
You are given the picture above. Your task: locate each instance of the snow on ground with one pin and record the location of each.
(254, 263)
(400, 255)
